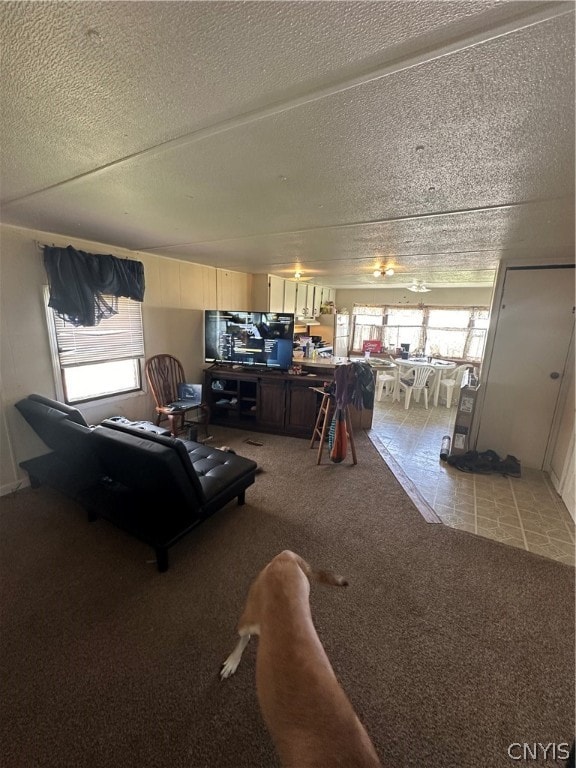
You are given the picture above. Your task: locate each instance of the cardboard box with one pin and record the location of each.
(465, 413)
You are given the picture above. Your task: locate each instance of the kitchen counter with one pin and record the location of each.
(329, 363)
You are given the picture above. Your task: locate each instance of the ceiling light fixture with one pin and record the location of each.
(297, 275)
(389, 272)
(417, 287)
(377, 273)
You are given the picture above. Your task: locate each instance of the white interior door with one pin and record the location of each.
(528, 362)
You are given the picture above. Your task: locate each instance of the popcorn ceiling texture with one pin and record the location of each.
(251, 135)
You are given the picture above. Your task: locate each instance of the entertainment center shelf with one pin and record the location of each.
(269, 401)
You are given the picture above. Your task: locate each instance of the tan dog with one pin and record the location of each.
(310, 718)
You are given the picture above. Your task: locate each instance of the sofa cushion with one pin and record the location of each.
(152, 469)
(210, 470)
(216, 469)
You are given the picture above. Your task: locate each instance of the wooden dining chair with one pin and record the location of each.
(413, 382)
(164, 373)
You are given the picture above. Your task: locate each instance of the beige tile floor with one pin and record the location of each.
(525, 512)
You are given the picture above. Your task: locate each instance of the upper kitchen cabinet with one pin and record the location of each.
(276, 294)
(309, 298)
(268, 293)
(327, 295)
(290, 291)
(303, 307)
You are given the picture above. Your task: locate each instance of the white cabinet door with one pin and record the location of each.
(290, 287)
(529, 358)
(314, 299)
(276, 293)
(302, 306)
(326, 295)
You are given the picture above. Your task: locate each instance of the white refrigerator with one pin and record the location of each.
(335, 330)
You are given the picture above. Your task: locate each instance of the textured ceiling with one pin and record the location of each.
(269, 136)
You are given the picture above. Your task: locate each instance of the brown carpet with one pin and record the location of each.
(450, 646)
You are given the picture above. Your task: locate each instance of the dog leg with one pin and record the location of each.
(231, 664)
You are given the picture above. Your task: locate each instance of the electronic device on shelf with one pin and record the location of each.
(249, 339)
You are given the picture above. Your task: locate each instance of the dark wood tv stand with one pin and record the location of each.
(269, 401)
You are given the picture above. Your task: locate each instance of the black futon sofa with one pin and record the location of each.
(155, 487)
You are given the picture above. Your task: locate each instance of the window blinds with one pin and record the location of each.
(118, 337)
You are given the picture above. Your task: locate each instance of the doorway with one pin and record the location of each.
(524, 371)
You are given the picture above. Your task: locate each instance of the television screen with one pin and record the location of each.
(249, 338)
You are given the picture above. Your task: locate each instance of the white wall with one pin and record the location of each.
(176, 294)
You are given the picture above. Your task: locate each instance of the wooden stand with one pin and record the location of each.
(322, 425)
(269, 401)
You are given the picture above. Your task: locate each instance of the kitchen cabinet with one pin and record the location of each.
(267, 294)
(302, 302)
(301, 407)
(271, 404)
(290, 291)
(277, 294)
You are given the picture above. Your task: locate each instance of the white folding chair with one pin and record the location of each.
(415, 381)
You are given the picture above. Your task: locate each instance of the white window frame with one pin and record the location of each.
(58, 367)
(378, 329)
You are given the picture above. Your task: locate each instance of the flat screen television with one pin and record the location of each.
(246, 338)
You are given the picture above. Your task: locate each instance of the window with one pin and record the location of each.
(458, 332)
(98, 361)
(403, 326)
(447, 332)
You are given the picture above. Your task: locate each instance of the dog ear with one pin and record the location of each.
(324, 577)
(327, 577)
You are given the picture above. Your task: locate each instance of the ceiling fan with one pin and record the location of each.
(418, 287)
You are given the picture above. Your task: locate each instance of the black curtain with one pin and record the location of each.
(79, 281)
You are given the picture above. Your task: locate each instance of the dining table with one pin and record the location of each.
(440, 368)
